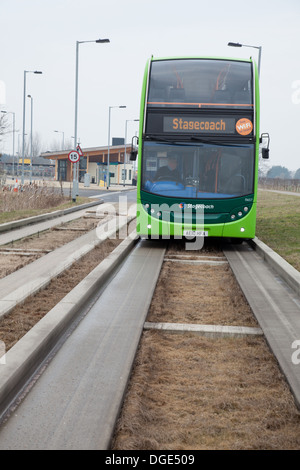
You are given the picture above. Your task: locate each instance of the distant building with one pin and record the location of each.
(94, 163)
(40, 166)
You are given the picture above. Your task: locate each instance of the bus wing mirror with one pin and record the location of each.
(265, 153)
(133, 155)
(265, 141)
(134, 152)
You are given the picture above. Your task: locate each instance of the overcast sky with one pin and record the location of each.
(42, 35)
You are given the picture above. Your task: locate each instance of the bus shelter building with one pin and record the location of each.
(93, 163)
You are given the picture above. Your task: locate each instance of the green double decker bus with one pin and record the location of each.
(198, 148)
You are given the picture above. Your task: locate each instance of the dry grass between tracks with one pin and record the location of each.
(195, 393)
(216, 298)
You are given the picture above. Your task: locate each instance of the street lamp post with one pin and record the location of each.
(237, 44)
(63, 139)
(108, 147)
(14, 130)
(127, 120)
(24, 106)
(76, 165)
(31, 109)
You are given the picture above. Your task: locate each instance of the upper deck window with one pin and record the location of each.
(201, 83)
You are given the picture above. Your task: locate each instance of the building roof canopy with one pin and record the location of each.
(92, 151)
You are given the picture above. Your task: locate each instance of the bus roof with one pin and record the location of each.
(238, 59)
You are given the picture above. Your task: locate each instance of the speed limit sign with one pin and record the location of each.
(74, 156)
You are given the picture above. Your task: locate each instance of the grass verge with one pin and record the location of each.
(17, 213)
(278, 224)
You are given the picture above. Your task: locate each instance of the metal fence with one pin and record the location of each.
(279, 184)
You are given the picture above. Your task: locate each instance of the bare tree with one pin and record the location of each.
(263, 168)
(37, 146)
(4, 126)
(56, 145)
(3, 131)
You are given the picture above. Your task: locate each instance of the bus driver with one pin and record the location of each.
(170, 171)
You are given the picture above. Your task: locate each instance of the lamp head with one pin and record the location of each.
(100, 41)
(234, 44)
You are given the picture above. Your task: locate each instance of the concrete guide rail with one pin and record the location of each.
(290, 275)
(30, 229)
(75, 402)
(8, 226)
(24, 358)
(274, 303)
(19, 285)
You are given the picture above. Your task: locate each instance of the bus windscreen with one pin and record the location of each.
(205, 171)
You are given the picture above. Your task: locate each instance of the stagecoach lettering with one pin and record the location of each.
(191, 125)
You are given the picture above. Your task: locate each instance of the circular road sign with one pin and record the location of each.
(73, 156)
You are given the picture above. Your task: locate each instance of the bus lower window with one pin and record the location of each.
(198, 171)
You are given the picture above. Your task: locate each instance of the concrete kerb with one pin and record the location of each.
(92, 186)
(23, 359)
(49, 215)
(287, 272)
(211, 331)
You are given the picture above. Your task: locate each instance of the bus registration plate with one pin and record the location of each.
(195, 233)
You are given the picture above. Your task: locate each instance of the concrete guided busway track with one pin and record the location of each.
(272, 287)
(76, 399)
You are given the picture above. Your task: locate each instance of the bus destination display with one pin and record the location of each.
(208, 124)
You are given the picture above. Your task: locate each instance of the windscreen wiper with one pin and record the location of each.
(216, 142)
(161, 139)
(195, 139)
